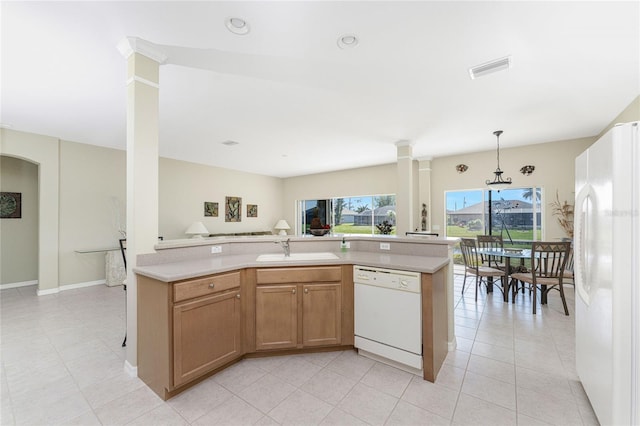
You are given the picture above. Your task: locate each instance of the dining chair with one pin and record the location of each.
(473, 266)
(548, 262)
(568, 268)
(123, 249)
(491, 242)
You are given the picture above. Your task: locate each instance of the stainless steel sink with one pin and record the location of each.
(280, 257)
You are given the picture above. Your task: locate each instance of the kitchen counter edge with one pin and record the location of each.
(188, 269)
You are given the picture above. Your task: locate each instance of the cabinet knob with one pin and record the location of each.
(212, 285)
(238, 296)
(293, 291)
(306, 290)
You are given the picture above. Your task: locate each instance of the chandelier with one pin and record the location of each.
(498, 183)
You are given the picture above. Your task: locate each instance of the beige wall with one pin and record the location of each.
(92, 198)
(91, 202)
(362, 181)
(630, 113)
(92, 184)
(19, 237)
(43, 151)
(184, 187)
(555, 170)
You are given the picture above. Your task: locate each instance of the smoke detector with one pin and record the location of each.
(490, 67)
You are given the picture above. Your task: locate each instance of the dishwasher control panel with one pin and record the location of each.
(387, 278)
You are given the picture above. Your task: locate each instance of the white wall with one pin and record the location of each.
(19, 236)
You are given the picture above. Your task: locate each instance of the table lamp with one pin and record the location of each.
(282, 226)
(196, 230)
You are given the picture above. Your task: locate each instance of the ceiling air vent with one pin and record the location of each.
(230, 143)
(490, 67)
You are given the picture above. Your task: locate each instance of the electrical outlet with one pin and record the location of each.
(216, 249)
(385, 246)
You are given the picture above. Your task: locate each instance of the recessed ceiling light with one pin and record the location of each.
(237, 26)
(490, 67)
(347, 41)
(230, 143)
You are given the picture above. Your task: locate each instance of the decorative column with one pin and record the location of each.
(406, 187)
(424, 179)
(143, 71)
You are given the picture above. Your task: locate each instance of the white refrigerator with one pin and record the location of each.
(607, 275)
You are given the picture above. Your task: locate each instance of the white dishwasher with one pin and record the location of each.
(388, 316)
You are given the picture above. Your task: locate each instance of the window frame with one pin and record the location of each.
(537, 213)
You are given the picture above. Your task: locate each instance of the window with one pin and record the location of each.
(370, 214)
(516, 214)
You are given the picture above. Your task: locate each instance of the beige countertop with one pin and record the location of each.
(186, 269)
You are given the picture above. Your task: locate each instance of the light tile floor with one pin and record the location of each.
(62, 363)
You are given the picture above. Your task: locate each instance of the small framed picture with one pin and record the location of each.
(10, 205)
(210, 209)
(252, 210)
(233, 209)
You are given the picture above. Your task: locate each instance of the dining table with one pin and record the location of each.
(507, 254)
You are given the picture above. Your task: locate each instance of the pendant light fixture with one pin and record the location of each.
(498, 183)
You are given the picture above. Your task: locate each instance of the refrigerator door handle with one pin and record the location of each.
(581, 276)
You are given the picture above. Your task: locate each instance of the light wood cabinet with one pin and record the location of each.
(298, 307)
(276, 317)
(187, 329)
(321, 314)
(206, 335)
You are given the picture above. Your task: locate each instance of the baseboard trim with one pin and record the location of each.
(18, 284)
(130, 369)
(452, 345)
(70, 287)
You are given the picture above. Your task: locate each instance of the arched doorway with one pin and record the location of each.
(45, 152)
(19, 223)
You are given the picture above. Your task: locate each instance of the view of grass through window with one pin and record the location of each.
(515, 214)
(365, 214)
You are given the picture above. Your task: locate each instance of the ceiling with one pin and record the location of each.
(298, 104)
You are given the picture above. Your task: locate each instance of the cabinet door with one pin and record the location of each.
(321, 314)
(276, 317)
(206, 335)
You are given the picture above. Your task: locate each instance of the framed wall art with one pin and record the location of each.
(10, 205)
(252, 210)
(210, 209)
(233, 209)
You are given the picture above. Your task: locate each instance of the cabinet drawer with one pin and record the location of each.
(299, 275)
(203, 286)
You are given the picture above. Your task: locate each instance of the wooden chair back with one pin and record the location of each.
(549, 258)
(490, 242)
(469, 254)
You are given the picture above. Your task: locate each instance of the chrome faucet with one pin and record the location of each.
(285, 246)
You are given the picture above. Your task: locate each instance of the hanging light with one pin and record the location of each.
(498, 183)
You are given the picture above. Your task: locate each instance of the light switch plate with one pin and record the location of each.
(216, 249)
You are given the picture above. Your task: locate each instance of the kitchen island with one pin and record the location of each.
(203, 306)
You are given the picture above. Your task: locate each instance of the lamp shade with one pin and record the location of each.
(196, 230)
(282, 226)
